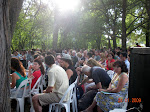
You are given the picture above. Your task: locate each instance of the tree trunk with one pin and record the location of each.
(147, 5)
(114, 27)
(124, 5)
(148, 34)
(114, 42)
(109, 44)
(7, 24)
(5, 56)
(14, 10)
(56, 29)
(55, 37)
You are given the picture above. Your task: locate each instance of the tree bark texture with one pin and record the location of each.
(9, 12)
(56, 28)
(14, 10)
(124, 5)
(147, 5)
(4, 56)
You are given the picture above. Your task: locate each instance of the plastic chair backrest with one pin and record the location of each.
(37, 84)
(76, 81)
(43, 80)
(70, 92)
(23, 83)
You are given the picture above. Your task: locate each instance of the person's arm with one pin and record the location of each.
(48, 89)
(106, 90)
(84, 81)
(24, 57)
(122, 81)
(69, 73)
(13, 83)
(97, 86)
(29, 73)
(51, 82)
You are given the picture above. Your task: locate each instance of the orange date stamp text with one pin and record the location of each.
(132, 100)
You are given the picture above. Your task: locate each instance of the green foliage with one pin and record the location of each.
(87, 27)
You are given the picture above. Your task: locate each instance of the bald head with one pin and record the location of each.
(85, 69)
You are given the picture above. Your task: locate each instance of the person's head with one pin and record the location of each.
(79, 55)
(118, 53)
(96, 53)
(89, 55)
(36, 56)
(22, 53)
(110, 56)
(86, 70)
(49, 60)
(65, 51)
(37, 65)
(73, 53)
(85, 53)
(106, 54)
(58, 58)
(117, 49)
(123, 56)
(120, 66)
(16, 65)
(92, 62)
(66, 60)
(15, 53)
(102, 55)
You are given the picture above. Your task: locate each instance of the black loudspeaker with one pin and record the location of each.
(139, 79)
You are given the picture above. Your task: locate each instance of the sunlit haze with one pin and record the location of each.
(65, 5)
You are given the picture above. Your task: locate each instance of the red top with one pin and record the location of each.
(107, 64)
(36, 75)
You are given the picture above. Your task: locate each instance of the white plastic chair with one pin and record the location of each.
(76, 81)
(74, 103)
(35, 90)
(110, 73)
(58, 106)
(20, 100)
(43, 80)
(37, 86)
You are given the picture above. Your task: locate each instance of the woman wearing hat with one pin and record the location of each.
(66, 63)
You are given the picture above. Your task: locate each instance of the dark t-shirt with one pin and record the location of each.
(100, 75)
(74, 60)
(74, 76)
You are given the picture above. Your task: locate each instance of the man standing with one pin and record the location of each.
(101, 79)
(123, 57)
(74, 58)
(58, 83)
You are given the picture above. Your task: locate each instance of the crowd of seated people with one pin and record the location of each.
(90, 66)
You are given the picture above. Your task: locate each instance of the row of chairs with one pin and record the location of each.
(27, 91)
(55, 106)
(39, 86)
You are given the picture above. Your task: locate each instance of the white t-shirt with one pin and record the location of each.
(57, 78)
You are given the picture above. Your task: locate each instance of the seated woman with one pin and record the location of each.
(18, 76)
(110, 61)
(38, 70)
(118, 85)
(66, 63)
(102, 59)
